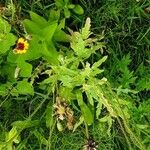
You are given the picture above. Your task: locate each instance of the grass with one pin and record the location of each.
(125, 25)
(127, 31)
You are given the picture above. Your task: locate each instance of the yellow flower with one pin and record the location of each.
(22, 46)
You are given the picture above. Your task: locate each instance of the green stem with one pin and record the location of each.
(86, 130)
(39, 106)
(50, 136)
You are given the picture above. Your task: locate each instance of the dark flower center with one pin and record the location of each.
(20, 46)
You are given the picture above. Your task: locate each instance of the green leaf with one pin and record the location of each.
(59, 126)
(8, 70)
(71, 6)
(12, 58)
(48, 32)
(143, 83)
(85, 32)
(54, 15)
(25, 88)
(98, 63)
(21, 125)
(107, 119)
(4, 26)
(67, 13)
(79, 97)
(90, 98)
(22, 144)
(61, 25)
(13, 136)
(66, 93)
(66, 80)
(31, 27)
(59, 3)
(40, 21)
(3, 90)
(7, 42)
(98, 109)
(61, 36)
(25, 69)
(35, 49)
(49, 115)
(49, 53)
(142, 126)
(78, 10)
(87, 114)
(78, 47)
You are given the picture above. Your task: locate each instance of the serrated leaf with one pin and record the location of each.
(98, 63)
(66, 93)
(107, 119)
(85, 32)
(78, 47)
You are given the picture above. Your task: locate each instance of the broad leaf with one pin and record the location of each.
(4, 26)
(78, 10)
(48, 32)
(25, 69)
(25, 88)
(49, 115)
(40, 21)
(21, 125)
(31, 27)
(87, 114)
(6, 42)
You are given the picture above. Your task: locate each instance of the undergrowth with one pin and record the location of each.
(74, 75)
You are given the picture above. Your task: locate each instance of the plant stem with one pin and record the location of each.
(86, 130)
(39, 106)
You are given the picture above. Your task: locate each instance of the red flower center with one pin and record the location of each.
(20, 46)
